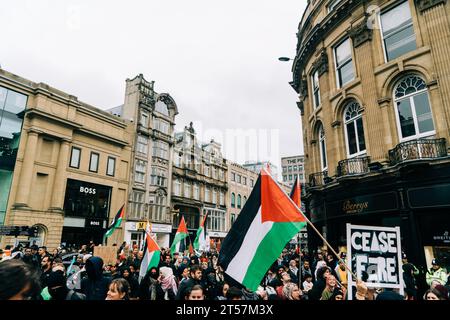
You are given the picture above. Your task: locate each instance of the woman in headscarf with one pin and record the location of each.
(168, 283)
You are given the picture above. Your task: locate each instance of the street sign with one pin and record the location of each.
(18, 231)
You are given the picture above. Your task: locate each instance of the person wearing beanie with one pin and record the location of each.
(95, 286)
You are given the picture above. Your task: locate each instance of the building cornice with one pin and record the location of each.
(424, 5)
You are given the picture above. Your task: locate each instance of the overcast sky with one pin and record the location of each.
(218, 60)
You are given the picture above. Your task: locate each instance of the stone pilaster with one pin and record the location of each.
(60, 177)
(26, 174)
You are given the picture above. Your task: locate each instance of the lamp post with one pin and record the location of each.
(284, 59)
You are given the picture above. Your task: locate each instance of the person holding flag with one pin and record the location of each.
(152, 253)
(179, 242)
(116, 222)
(200, 242)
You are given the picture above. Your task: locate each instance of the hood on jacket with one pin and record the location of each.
(94, 268)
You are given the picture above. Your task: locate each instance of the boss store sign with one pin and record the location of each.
(88, 200)
(94, 223)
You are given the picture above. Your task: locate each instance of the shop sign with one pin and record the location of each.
(444, 238)
(381, 202)
(354, 207)
(94, 223)
(377, 251)
(141, 226)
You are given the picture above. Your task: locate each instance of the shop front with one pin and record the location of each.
(135, 233)
(86, 209)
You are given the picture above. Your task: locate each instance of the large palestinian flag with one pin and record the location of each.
(116, 222)
(200, 242)
(267, 222)
(179, 242)
(152, 254)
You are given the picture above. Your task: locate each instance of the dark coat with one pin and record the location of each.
(185, 286)
(95, 286)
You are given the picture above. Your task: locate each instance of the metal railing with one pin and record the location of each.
(353, 166)
(318, 179)
(418, 149)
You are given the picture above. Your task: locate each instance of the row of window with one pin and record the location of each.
(75, 159)
(157, 206)
(215, 220)
(398, 38)
(193, 191)
(233, 201)
(160, 148)
(158, 124)
(412, 113)
(241, 179)
(291, 177)
(292, 168)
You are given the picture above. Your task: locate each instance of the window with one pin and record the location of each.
(333, 4)
(187, 190)
(161, 107)
(244, 201)
(397, 31)
(222, 198)
(284, 169)
(290, 177)
(284, 178)
(137, 205)
(244, 181)
(238, 179)
(233, 200)
(220, 174)
(111, 166)
(140, 169)
(93, 162)
(75, 157)
(233, 176)
(158, 207)
(233, 218)
(158, 177)
(214, 196)
(295, 168)
(414, 117)
(142, 144)
(290, 168)
(161, 125)
(144, 119)
(177, 159)
(239, 201)
(207, 171)
(161, 150)
(214, 173)
(252, 183)
(344, 64)
(196, 192)
(323, 148)
(177, 187)
(207, 195)
(216, 220)
(354, 130)
(315, 89)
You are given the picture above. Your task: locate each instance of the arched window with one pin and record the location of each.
(413, 111)
(233, 200)
(161, 107)
(354, 130)
(239, 201)
(244, 201)
(322, 148)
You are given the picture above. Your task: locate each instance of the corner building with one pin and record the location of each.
(374, 96)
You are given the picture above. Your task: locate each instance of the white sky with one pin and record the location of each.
(218, 59)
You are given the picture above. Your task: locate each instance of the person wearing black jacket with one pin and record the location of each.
(319, 285)
(196, 278)
(95, 286)
(134, 284)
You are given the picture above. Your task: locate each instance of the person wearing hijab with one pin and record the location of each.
(168, 283)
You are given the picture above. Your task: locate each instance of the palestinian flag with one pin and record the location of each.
(296, 193)
(152, 254)
(200, 239)
(116, 222)
(267, 222)
(179, 242)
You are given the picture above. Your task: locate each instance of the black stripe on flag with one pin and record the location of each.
(233, 241)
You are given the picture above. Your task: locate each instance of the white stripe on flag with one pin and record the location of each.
(255, 234)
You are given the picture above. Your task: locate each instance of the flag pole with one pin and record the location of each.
(313, 227)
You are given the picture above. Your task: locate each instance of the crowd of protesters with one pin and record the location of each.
(33, 273)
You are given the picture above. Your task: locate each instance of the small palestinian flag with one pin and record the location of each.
(296, 193)
(267, 222)
(200, 240)
(116, 222)
(179, 242)
(152, 254)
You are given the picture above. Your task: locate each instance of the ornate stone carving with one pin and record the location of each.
(427, 4)
(301, 107)
(304, 87)
(321, 64)
(360, 33)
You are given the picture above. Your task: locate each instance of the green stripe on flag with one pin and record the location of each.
(178, 238)
(269, 250)
(197, 238)
(154, 262)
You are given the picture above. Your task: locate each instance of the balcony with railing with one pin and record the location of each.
(353, 166)
(418, 149)
(318, 179)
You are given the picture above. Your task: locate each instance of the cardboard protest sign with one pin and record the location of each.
(376, 251)
(107, 253)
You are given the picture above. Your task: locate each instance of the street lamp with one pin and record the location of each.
(284, 59)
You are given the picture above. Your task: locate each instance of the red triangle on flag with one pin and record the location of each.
(275, 204)
(182, 227)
